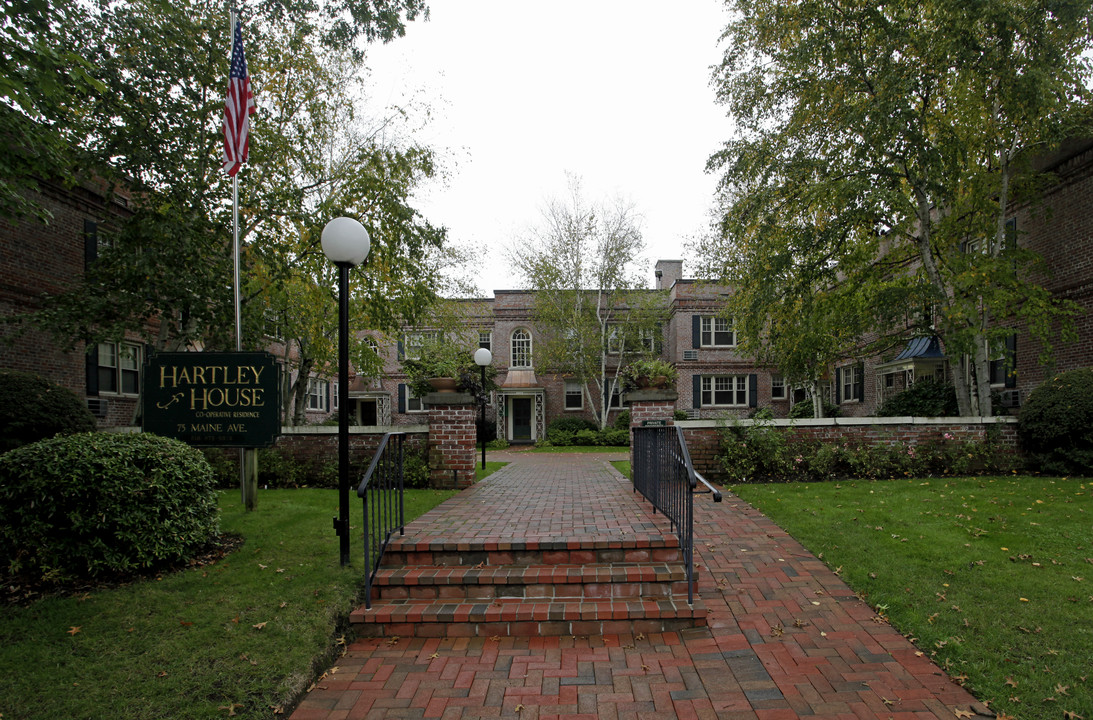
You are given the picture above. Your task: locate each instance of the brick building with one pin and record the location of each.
(715, 380)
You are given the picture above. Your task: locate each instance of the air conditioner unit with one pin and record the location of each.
(98, 406)
(1011, 398)
(690, 355)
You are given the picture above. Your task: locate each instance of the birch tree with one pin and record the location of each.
(922, 120)
(590, 305)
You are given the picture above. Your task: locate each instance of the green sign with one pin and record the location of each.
(654, 423)
(222, 399)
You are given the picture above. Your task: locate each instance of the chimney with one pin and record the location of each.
(668, 272)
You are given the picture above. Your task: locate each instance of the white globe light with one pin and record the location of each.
(345, 240)
(483, 357)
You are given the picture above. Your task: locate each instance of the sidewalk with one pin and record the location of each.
(785, 638)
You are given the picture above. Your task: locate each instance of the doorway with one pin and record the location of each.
(369, 415)
(521, 419)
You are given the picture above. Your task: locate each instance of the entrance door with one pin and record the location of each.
(521, 419)
(368, 412)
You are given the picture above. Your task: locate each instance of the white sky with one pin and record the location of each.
(614, 91)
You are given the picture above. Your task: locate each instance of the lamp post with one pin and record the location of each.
(345, 243)
(482, 358)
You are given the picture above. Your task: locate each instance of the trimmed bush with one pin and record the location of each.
(804, 409)
(95, 506)
(1056, 424)
(33, 409)
(926, 398)
(622, 422)
(616, 436)
(571, 424)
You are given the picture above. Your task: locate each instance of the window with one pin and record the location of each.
(725, 390)
(317, 394)
(413, 402)
(119, 368)
(642, 339)
(850, 383)
(485, 339)
(777, 387)
(334, 395)
(412, 342)
(521, 349)
(1003, 362)
(717, 332)
(574, 397)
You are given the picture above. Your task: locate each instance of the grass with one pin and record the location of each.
(623, 466)
(481, 473)
(240, 636)
(992, 577)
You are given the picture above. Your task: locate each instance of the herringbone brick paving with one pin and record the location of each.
(786, 638)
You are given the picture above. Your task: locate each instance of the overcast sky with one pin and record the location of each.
(614, 91)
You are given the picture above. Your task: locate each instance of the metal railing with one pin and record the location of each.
(663, 474)
(381, 490)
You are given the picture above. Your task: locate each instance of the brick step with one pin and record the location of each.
(504, 618)
(649, 548)
(532, 582)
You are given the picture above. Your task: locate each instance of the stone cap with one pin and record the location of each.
(447, 398)
(651, 395)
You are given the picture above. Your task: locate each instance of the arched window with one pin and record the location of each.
(521, 349)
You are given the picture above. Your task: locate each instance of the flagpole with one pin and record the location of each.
(248, 488)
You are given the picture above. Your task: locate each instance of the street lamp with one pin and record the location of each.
(345, 243)
(482, 358)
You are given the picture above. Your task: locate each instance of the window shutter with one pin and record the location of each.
(696, 390)
(838, 385)
(401, 353)
(91, 363)
(401, 396)
(1011, 361)
(696, 331)
(329, 396)
(753, 390)
(859, 386)
(90, 242)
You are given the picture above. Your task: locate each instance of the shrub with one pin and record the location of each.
(680, 415)
(926, 398)
(754, 452)
(1056, 424)
(622, 421)
(498, 444)
(32, 409)
(558, 437)
(616, 436)
(804, 409)
(586, 437)
(415, 470)
(571, 424)
(93, 506)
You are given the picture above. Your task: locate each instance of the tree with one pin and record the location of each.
(589, 303)
(315, 154)
(914, 127)
(43, 84)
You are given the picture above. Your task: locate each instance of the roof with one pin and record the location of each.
(922, 347)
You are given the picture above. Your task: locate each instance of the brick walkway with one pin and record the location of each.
(785, 637)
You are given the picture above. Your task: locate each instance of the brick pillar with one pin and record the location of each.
(657, 406)
(451, 439)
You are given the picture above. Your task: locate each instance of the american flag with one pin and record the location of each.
(238, 107)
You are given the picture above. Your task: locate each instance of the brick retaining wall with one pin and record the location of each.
(704, 436)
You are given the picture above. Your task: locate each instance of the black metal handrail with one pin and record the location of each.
(663, 474)
(381, 490)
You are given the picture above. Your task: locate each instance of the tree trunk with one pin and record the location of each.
(300, 392)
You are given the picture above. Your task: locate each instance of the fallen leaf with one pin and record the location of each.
(74, 629)
(1067, 715)
(230, 708)
(964, 713)
(435, 655)
(1011, 682)
(519, 708)
(185, 623)
(259, 626)
(1062, 689)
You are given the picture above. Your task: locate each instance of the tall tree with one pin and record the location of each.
(919, 121)
(590, 305)
(314, 154)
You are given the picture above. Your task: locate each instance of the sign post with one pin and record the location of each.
(213, 399)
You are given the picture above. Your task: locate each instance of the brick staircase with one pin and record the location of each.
(590, 586)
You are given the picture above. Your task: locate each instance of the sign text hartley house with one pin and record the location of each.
(225, 399)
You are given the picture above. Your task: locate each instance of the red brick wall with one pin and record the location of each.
(703, 438)
(451, 444)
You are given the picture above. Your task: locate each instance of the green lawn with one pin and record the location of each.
(481, 473)
(992, 577)
(243, 635)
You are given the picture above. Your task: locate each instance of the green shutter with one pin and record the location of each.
(859, 386)
(696, 331)
(696, 390)
(402, 397)
(753, 390)
(838, 386)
